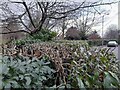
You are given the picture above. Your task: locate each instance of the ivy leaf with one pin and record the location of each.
(28, 80)
(21, 77)
(8, 85)
(14, 84)
(22, 69)
(44, 78)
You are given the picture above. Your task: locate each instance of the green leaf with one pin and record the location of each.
(28, 80)
(74, 62)
(22, 69)
(90, 80)
(1, 86)
(61, 87)
(104, 59)
(21, 77)
(1, 67)
(16, 78)
(80, 83)
(44, 78)
(114, 76)
(1, 57)
(107, 81)
(5, 69)
(110, 82)
(68, 85)
(7, 85)
(14, 84)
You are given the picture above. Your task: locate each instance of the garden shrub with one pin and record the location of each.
(76, 65)
(97, 42)
(44, 35)
(25, 72)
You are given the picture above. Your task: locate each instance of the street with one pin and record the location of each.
(117, 52)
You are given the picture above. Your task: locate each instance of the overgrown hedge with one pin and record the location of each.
(64, 64)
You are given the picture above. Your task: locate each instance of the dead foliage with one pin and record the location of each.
(60, 53)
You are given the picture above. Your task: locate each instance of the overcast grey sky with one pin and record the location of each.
(112, 18)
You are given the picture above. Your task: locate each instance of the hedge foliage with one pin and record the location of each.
(62, 65)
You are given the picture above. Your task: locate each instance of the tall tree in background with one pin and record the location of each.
(112, 32)
(86, 19)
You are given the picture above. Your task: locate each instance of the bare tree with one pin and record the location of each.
(41, 11)
(112, 32)
(86, 19)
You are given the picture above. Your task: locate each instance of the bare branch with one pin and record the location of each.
(24, 24)
(8, 28)
(87, 6)
(70, 10)
(52, 4)
(30, 17)
(101, 4)
(58, 17)
(40, 6)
